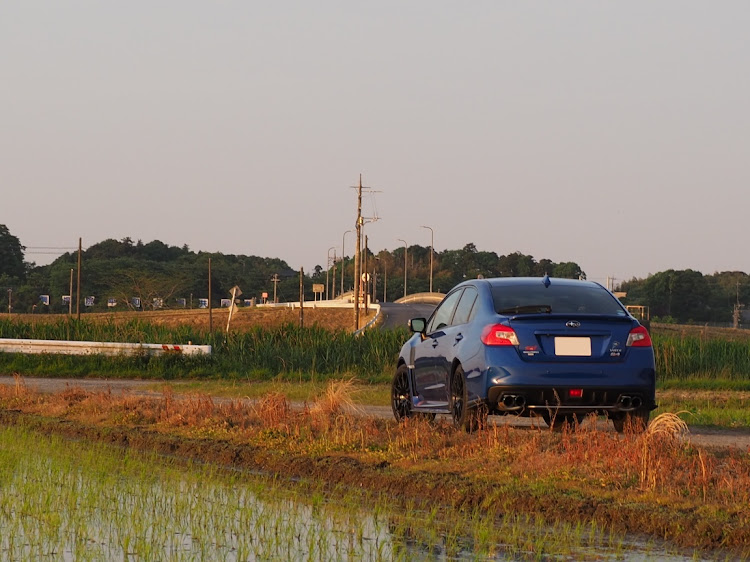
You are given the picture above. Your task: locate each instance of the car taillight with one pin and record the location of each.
(638, 337)
(498, 334)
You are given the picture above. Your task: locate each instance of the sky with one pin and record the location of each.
(612, 134)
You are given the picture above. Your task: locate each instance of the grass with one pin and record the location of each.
(656, 483)
(268, 355)
(272, 349)
(360, 394)
(76, 500)
(712, 408)
(284, 352)
(717, 408)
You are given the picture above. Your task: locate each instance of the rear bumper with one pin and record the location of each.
(525, 399)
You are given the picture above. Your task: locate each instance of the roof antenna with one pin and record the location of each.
(546, 281)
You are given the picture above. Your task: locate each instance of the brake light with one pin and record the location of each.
(498, 334)
(638, 337)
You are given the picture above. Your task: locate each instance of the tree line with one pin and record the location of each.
(177, 277)
(688, 296)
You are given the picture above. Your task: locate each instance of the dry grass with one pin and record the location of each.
(666, 433)
(243, 319)
(272, 409)
(572, 470)
(337, 398)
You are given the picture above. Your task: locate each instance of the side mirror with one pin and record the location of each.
(417, 325)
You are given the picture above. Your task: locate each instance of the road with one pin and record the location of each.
(704, 437)
(395, 314)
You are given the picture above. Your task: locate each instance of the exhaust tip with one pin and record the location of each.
(513, 401)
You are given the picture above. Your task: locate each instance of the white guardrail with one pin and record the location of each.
(102, 348)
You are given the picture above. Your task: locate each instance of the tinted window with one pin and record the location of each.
(444, 312)
(465, 306)
(563, 299)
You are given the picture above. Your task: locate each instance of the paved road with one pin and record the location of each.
(705, 437)
(395, 314)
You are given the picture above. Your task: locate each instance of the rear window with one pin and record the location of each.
(555, 299)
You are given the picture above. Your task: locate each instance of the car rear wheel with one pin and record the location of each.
(401, 394)
(464, 416)
(632, 421)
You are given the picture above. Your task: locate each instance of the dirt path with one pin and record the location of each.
(703, 436)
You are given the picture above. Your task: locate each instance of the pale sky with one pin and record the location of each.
(615, 135)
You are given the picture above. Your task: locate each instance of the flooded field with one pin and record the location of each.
(64, 500)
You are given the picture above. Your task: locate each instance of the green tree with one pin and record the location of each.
(11, 255)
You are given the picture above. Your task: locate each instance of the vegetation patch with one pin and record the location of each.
(656, 483)
(259, 352)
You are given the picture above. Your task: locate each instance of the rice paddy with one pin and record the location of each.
(63, 500)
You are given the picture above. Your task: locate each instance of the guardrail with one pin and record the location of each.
(101, 348)
(428, 298)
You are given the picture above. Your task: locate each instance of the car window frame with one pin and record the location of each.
(470, 314)
(430, 329)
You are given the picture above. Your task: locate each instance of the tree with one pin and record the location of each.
(11, 254)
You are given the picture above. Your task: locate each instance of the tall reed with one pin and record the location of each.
(291, 352)
(286, 351)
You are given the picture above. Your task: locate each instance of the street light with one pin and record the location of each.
(342, 259)
(406, 247)
(432, 243)
(328, 266)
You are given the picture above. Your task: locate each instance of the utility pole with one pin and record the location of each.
(366, 279)
(78, 288)
(343, 262)
(210, 309)
(70, 294)
(385, 281)
(333, 282)
(358, 250)
(301, 297)
(406, 249)
(432, 251)
(357, 247)
(275, 280)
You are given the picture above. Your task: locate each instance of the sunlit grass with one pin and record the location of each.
(258, 353)
(643, 482)
(719, 408)
(362, 394)
(83, 501)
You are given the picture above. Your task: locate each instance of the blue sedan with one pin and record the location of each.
(556, 348)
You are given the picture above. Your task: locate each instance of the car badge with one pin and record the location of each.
(573, 324)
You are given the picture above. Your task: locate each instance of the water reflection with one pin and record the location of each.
(78, 501)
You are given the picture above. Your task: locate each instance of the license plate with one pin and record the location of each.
(573, 347)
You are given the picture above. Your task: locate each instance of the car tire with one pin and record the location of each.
(464, 416)
(401, 394)
(635, 421)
